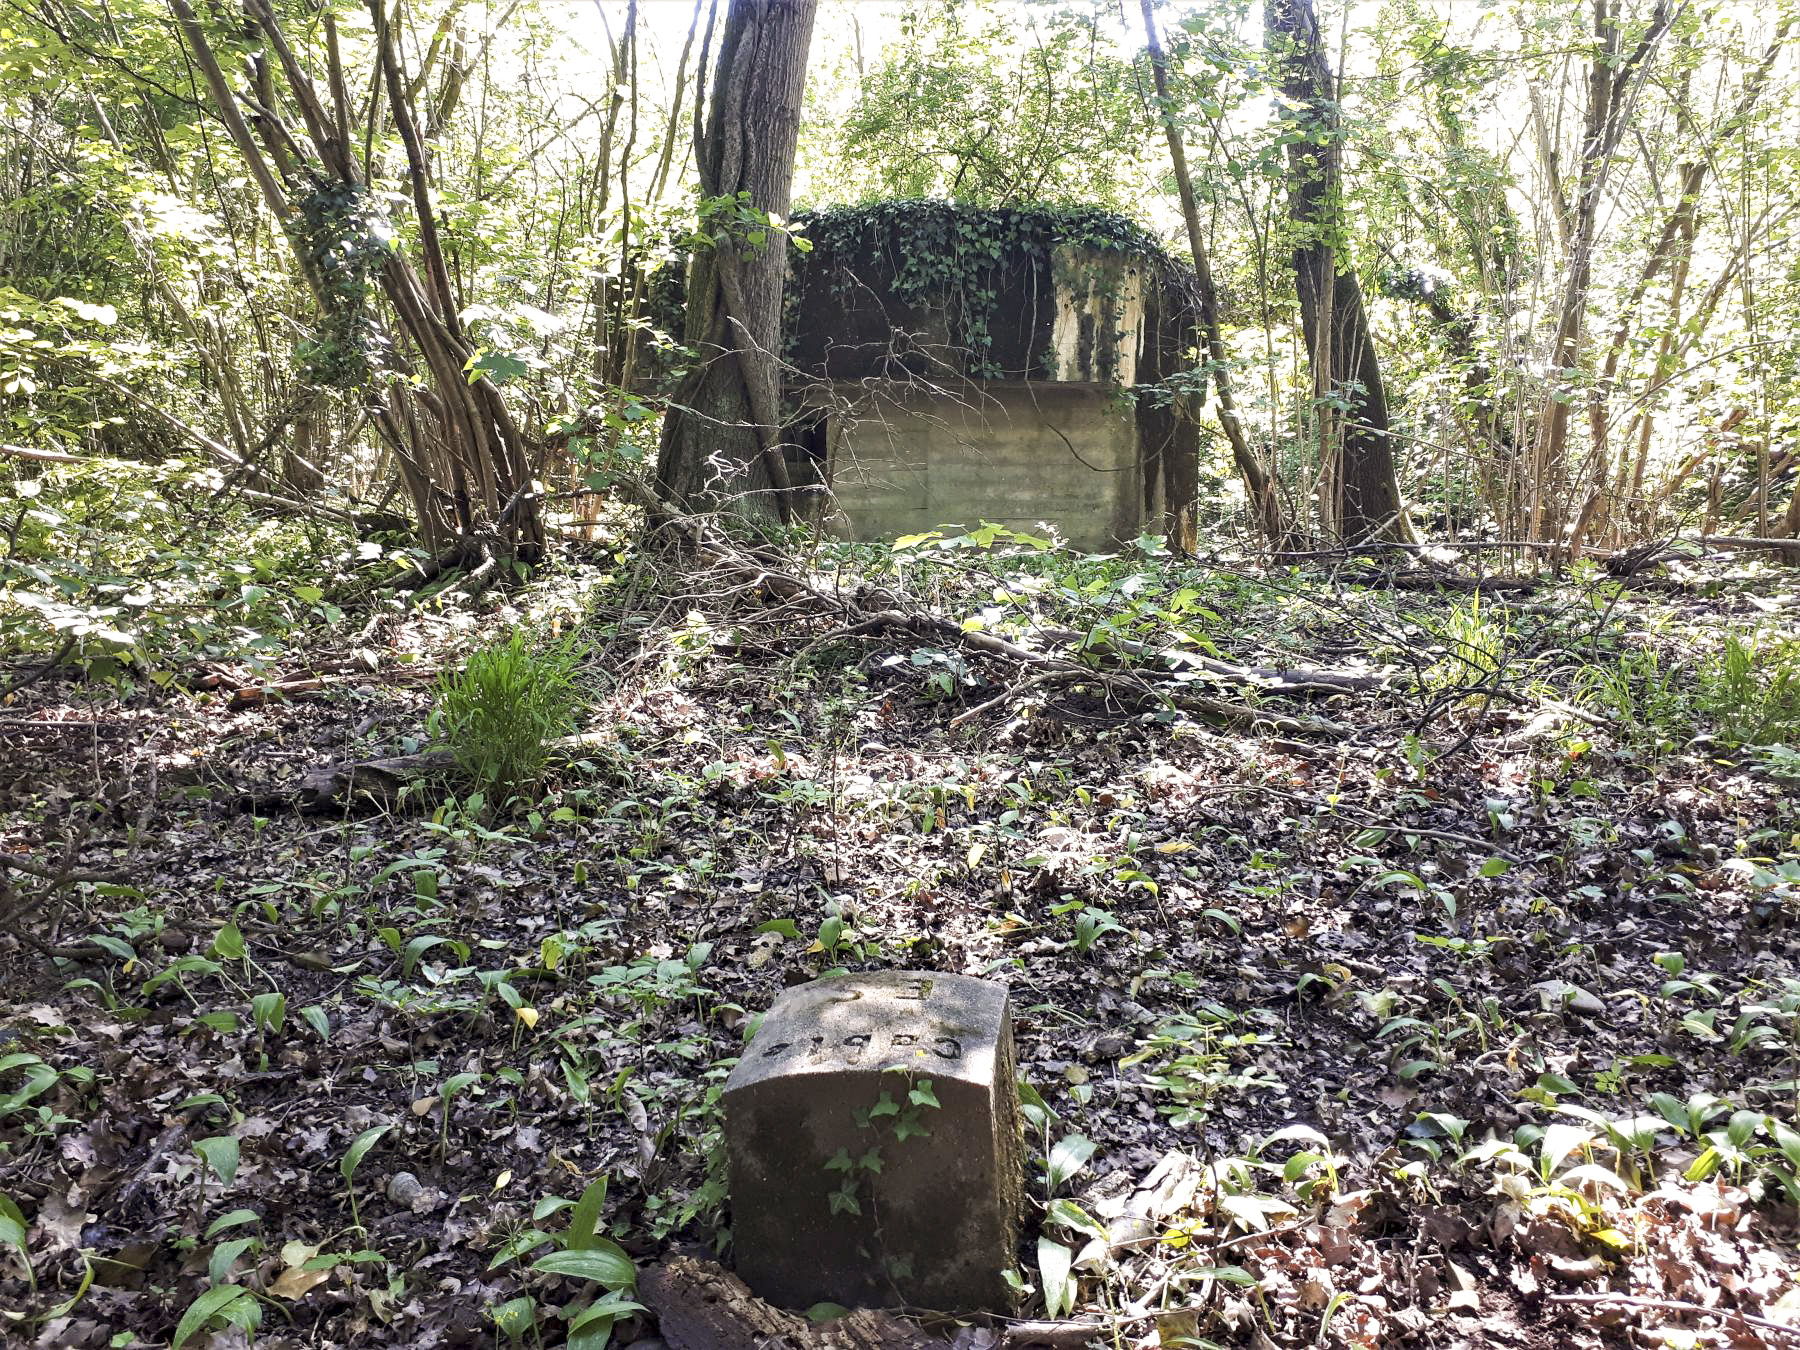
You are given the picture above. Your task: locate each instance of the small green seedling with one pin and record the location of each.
(225, 1255)
(352, 1159)
(13, 1230)
(218, 1155)
(222, 1305)
(268, 1012)
(515, 1317)
(451, 1086)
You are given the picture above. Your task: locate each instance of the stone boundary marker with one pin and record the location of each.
(872, 1127)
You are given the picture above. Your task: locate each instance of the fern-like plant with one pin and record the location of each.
(498, 714)
(1475, 650)
(1751, 689)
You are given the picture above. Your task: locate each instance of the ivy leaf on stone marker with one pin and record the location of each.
(922, 1095)
(843, 1199)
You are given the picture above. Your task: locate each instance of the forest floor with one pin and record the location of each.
(1457, 1009)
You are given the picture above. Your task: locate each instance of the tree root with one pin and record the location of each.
(754, 572)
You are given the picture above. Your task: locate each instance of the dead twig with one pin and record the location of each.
(1650, 1304)
(30, 678)
(1373, 822)
(384, 776)
(17, 904)
(62, 876)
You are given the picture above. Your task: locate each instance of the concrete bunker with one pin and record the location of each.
(949, 365)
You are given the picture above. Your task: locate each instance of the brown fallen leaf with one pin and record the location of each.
(1464, 1298)
(296, 1282)
(1576, 1270)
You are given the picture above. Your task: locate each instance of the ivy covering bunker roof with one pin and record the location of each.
(933, 290)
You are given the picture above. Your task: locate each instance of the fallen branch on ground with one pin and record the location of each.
(1629, 562)
(19, 906)
(702, 1306)
(1442, 581)
(31, 677)
(383, 777)
(750, 572)
(1647, 1303)
(1273, 679)
(255, 692)
(1129, 687)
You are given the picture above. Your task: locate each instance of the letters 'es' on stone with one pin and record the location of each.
(847, 1185)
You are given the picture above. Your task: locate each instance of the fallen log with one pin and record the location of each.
(1789, 549)
(1426, 580)
(1069, 1335)
(249, 693)
(1272, 679)
(382, 777)
(46, 456)
(702, 1306)
(1633, 560)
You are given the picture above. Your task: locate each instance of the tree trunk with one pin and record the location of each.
(720, 439)
(1674, 252)
(463, 459)
(1613, 80)
(1360, 494)
(1257, 481)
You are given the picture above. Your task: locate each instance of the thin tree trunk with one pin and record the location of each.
(1185, 481)
(1613, 79)
(463, 459)
(1673, 250)
(667, 155)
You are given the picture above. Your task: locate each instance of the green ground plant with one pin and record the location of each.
(500, 712)
(110, 566)
(1750, 689)
(1643, 692)
(1475, 642)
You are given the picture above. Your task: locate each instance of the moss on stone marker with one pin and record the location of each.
(875, 1157)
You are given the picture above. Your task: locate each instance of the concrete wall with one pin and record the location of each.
(1098, 331)
(1024, 456)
